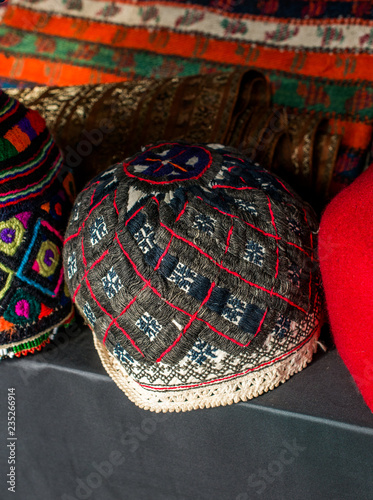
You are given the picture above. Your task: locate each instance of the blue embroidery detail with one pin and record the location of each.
(282, 326)
(168, 264)
(254, 253)
(89, 314)
(108, 183)
(294, 227)
(234, 310)
(112, 283)
(201, 351)
(71, 265)
(123, 355)
(218, 299)
(294, 274)
(214, 199)
(245, 205)
(149, 325)
(97, 230)
(251, 319)
(200, 288)
(171, 161)
(75, 212)
(246, 173)
(204, 223)
(178, 201)
(183, 276)
(145, 238)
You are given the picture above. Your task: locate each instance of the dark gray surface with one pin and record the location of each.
(311, 438)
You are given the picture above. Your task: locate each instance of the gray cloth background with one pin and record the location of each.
(79, 437)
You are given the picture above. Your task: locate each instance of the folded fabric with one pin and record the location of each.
(36, 194)
(98, 125)
(346, 261)
(195, 268)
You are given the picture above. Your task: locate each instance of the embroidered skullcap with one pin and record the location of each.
(196, 271)
(36, 194)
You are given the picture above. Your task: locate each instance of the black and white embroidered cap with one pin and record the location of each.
(197, 273)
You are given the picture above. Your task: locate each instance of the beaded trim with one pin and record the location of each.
(35, 343)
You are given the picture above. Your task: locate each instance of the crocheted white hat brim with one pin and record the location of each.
(242, 388)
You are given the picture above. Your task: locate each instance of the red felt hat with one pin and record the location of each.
(346, 261)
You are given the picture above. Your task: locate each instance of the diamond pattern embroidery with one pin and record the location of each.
(123, 355)
(294, 274)
(282, 326)
(201, 351)
(75, 212)
(112, 283)
(254, 253)
(183, 276)
(89, 314)
(234, 310)
(145, 238)
(239, 316)
(204, 223)
(97, 230)
(295, 227)
(71, 265)
(244, 205)
(149, 325)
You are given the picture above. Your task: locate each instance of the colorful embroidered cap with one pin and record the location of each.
(196, 271)
(36, 195)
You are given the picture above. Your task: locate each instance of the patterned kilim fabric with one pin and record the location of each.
(196, 270)
(35, 198)
(316, 54)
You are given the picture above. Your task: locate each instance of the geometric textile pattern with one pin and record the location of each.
(149, 325)
(98, 230)
(35, 199)
(254, 253)
(111, 283)
(71, 265)
(89, 314)
(316, 55)
(144, 238)
(204, 283)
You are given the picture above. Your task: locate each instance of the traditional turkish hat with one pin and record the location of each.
(36, 194)
(196, 271)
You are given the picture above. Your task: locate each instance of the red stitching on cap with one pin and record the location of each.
(231, 338)
(115, 202)
(111, 317)
(192, 318)
(275, 228)
(239, 218)
(124, 311)
(86, 273)
(236, 374)
(85, 220)
(233, 272)
(148, 282)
